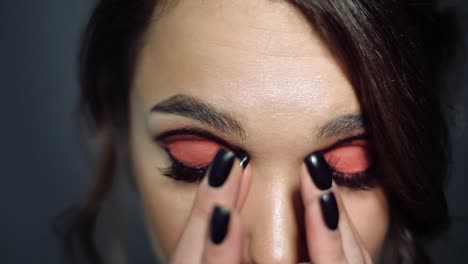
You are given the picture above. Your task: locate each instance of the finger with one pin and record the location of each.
(321, 212)
(225, 240)
(220, 187)
(244, 187)
(316, 182)
(353, 247)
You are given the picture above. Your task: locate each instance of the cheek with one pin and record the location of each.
(368, 211)
(161, 197)
(158, 204)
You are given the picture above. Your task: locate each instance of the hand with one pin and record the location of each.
(331, 237)
(214, 233)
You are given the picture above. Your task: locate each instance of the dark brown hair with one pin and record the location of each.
(390, 61)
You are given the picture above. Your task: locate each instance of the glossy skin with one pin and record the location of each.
(262, 63)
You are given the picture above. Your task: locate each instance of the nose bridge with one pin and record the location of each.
(273, 217)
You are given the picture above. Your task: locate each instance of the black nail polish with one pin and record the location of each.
(319, 171)
(220, 167)
(219, 224)
(329, 210)
(244, 159)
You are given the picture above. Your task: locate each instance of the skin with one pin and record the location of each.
(263, 63)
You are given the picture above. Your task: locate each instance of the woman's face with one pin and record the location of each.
(250, 76)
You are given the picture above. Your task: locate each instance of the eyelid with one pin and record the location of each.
(202, 134)
(178, 171)
(192, 131)
(193, 151)
(342, 142)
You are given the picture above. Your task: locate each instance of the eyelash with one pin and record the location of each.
(363, 180)
(179, 171)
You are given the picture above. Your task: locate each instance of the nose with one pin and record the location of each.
(273, 218)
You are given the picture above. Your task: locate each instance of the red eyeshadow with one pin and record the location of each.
(352, 157)
(191, 150)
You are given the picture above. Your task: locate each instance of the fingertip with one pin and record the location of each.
(244, 158)
(219, 224)
(318, 170)
(221, 184)
(225, 226)
(220, 168)
(309, 191)
(329, 210)
(225, 240)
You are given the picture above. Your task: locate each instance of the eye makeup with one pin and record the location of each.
(352, 162)
(191, 150)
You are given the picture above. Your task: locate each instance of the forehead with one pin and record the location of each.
(256, 59)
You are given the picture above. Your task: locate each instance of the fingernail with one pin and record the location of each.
(244, 159)
(319, 171)
(219, 224)
(329, 210)
(220, 167)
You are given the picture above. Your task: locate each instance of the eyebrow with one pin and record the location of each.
(342, 125)
(194, 108)
(191, 107)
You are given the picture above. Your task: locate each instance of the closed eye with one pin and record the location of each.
(191, 150)
(352, 157)
(352, 163)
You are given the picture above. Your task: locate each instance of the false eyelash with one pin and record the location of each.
(362, 180)
(181, 172)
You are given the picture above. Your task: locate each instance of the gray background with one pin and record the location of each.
(43, 162)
